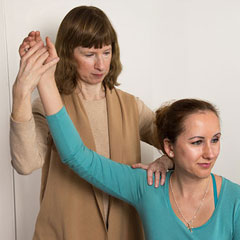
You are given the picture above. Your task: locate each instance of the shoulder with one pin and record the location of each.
(126, 100)
(123, 93)
(232, 185)
(231, 189)
(140, 104)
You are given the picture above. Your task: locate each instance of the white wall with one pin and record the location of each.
(169, 50)
(7, 220)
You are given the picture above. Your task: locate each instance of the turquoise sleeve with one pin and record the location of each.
(117, 179)
(237, 224)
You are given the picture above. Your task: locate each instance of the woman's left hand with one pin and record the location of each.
(159, 167)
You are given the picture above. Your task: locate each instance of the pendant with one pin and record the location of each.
(189, 227)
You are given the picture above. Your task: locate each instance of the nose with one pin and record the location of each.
(99, 63)
(208, 152)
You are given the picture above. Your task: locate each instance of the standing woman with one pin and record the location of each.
(110, 122)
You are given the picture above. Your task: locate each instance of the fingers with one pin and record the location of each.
(150, 176)
(140, 165)
(23, 48)
(37, 59)
(28, 42)
(33, 49)
(38, 36)
(157, 179)
(33, 38)
(163, 178)
(35, 62)
(50, 64)
(28, 61)
(29, 53)
(157, 173)
(51, 49)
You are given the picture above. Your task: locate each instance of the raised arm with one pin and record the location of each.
(28, 139)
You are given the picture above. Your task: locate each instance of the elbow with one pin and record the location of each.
(21, 169)
(26, 163)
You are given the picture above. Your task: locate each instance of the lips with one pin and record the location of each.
(205, 165)
(98, 75)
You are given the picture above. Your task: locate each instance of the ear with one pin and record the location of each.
(168, 147)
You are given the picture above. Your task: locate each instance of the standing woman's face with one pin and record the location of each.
(93, 64)
(197, 147)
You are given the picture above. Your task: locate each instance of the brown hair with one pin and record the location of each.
(170, 118)
(84, 26)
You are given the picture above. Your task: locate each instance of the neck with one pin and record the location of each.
(91, 92)
(188, 186)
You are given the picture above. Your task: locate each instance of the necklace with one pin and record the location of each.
(189, 223)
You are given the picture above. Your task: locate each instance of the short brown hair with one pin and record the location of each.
(84, 26)
(170, 117)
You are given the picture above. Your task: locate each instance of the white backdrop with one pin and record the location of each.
(169, 49)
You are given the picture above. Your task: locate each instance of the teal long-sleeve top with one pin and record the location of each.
(130, 185)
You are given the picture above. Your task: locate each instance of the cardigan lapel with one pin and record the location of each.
(115, 125)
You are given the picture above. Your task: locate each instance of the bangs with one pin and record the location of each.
(96, 39)
(92, 31)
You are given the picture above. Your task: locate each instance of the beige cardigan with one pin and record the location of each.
(71, 208)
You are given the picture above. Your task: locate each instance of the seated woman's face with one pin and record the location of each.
(197, 147)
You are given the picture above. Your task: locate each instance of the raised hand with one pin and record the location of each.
(28, 42)
(32, 67)
(33, 38)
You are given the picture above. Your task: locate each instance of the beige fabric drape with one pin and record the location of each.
(65, 192)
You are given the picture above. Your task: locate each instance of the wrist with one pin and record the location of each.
(20, 92)
(47, 84)
(21, 108)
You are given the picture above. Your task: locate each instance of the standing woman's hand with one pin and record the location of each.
(158, 168)
(28, 42)
(32, 68)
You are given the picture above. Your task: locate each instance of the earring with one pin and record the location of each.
(171, 154)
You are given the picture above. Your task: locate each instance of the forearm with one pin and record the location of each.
(29, 141)
(50, 96)
(21, 103)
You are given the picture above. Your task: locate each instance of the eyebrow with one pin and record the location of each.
(90, 49)
(109, 48)
(203, 137)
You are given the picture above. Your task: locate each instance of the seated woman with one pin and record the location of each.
(193, 203)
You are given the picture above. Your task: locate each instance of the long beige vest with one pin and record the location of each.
(71, 208)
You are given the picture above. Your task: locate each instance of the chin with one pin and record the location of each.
(204, 173)
(95, 82)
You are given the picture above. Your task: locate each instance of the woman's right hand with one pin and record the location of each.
(30, 41)
(32, 66)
